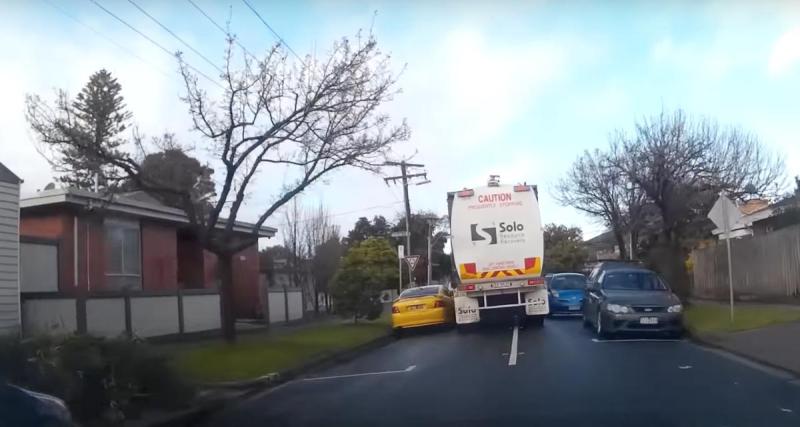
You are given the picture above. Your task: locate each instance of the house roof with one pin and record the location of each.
(127, 203)
(7, 176)
(753, 206)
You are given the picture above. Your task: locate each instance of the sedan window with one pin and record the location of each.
(632, 281)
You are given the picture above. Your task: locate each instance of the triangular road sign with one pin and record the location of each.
(412, 261)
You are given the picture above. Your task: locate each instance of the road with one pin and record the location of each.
(562, 376)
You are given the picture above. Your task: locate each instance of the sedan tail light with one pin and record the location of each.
(438, 304)
(395, 309)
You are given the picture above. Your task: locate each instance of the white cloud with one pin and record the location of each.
(785, 53)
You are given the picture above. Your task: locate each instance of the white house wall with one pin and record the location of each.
(9, 258)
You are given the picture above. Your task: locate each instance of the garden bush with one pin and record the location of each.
(101, 380)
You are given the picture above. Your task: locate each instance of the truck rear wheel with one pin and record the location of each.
(535, 321)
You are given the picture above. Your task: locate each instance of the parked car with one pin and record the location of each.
(612, 264)
(631, 300)
(423, 306)
(23, 407)
(565, 292)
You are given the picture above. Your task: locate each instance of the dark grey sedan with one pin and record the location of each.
(631, 300)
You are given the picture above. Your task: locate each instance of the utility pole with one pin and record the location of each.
(404, 177)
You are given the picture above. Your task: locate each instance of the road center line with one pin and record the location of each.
(333, 377)
(512, 355)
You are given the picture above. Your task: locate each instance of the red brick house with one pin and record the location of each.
(131, 243)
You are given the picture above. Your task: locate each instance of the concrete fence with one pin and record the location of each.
(110, 314)
(765, 266)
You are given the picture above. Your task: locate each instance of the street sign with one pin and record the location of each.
(724, 214)
(412, 261)
(400, 233)
(401, 251)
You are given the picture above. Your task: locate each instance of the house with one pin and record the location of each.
(9, 252)
(602, 246)
(78, 244)
(752, 211)
(784, 213)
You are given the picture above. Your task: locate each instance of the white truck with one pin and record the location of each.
(497, 251)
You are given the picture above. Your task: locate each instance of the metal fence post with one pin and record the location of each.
(128, 321)
(286, 303)
(181, 326)
(80, 313)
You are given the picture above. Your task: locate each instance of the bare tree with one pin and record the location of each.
(597, 187)
(317, 230)
(304, 121)
(681, 164)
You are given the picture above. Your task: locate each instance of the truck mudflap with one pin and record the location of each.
(468, 306)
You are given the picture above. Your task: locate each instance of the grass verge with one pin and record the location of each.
(260, 354)
(714, 318)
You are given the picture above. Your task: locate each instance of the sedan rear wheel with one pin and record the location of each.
(601, 332)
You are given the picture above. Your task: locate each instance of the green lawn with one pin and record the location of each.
(704, 318)
(256, 355)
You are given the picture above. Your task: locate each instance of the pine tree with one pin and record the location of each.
(82, 131)
(100, 114)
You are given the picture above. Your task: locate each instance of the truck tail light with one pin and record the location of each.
(438, 304)
(466, 193)
(536, 281)
(395, 309)
(469, 287)
(520, 188)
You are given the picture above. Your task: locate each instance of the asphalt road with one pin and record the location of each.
(562, 377)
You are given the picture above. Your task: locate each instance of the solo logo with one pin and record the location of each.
(491, 232)
(467, 310)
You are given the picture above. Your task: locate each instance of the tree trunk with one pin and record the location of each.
(623, 252)
(227, 315)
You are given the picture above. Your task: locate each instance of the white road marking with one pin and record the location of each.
(332, 377)
(638, 340)
(786, 410)
(685, 367)
(512, 355)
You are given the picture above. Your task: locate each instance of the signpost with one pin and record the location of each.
(400, 254)
(724, 214)
(412, 261)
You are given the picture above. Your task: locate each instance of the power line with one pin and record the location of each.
(274, 32)
(176, 36)
(350, 212)
(224, 31)
(154, 42)
(108, 39)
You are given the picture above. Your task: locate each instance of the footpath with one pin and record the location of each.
(766, 333)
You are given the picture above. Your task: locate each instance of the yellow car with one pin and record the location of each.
(423, 306)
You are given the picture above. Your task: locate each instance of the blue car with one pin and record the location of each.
(565, 292)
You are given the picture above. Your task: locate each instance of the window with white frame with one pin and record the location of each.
(123, 254)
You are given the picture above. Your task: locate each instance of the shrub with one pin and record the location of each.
(100, 379)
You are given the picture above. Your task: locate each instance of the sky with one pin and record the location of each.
(517, 89)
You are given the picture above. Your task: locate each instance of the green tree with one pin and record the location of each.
(75, 131)
(563, 249)
(363, 229)
(185, 174)
(366, 270)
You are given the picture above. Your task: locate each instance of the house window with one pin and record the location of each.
(123, 255)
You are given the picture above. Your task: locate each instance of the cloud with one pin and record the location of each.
(785, 53)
